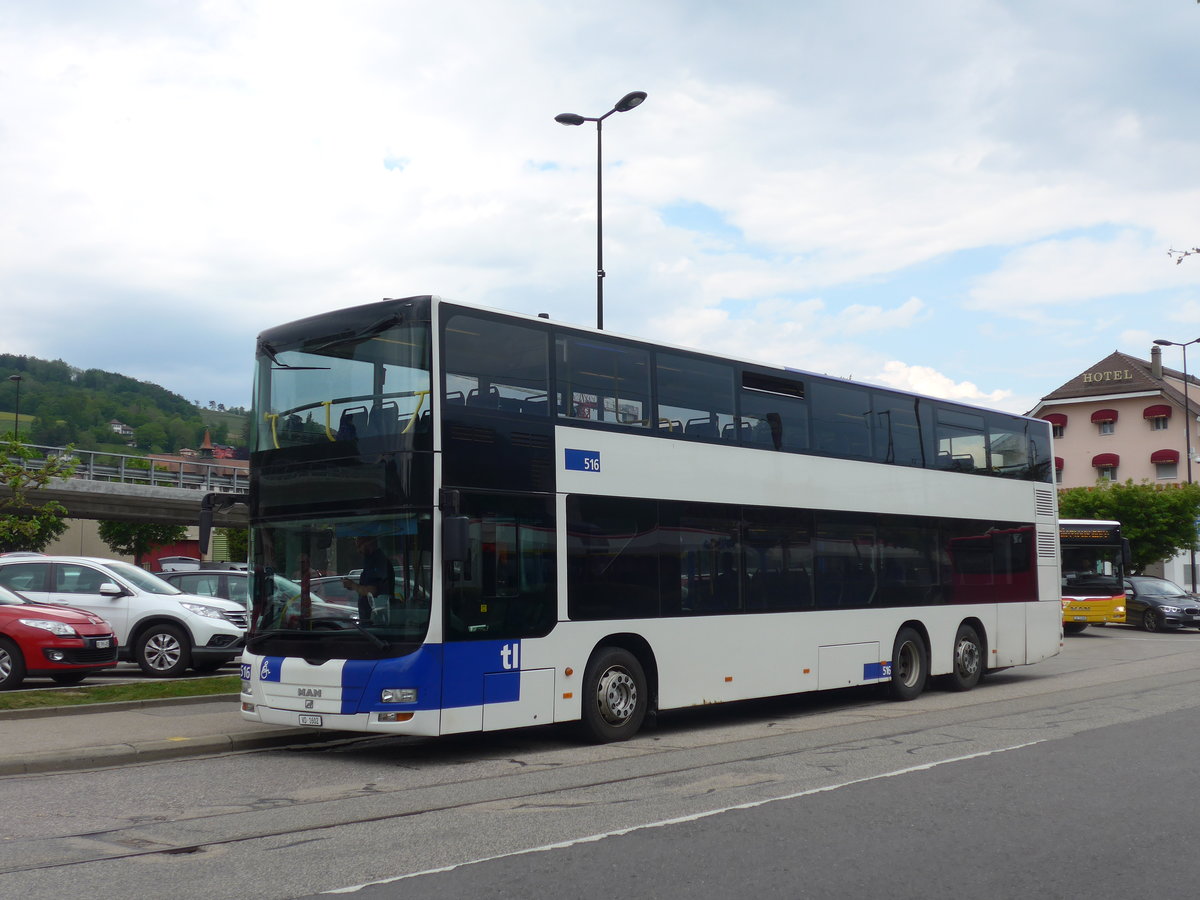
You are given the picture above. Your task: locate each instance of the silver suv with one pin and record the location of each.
(162, 629)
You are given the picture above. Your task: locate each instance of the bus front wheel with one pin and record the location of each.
(615, 697)
(910, 665)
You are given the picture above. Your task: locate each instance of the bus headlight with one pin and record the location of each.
(398, 695)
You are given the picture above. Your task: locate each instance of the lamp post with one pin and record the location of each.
(625, 104)
(1187, 436)
(17, 426)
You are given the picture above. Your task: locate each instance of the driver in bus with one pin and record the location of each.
(377, 580)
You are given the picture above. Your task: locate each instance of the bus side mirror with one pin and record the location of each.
(1126, 554)
(455, 538)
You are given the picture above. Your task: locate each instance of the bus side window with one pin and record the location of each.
(774, 413)
(603, 381)
(698, 393)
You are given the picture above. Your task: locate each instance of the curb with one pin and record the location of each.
(150, 751)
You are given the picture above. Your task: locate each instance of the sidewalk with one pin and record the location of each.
(111, 734)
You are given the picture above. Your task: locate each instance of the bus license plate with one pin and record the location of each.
(310, 720)
(1076, 618)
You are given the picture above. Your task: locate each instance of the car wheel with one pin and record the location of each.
(1151, 621)
(968, 660)
(12, 665)
(910, 665)
(615, 697)
(68, 677)
(163, 651)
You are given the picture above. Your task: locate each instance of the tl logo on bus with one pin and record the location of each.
(510, 656)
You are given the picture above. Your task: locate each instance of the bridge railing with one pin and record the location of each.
(197, 474)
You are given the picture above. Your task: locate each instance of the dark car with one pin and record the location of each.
(1156, 604)
(57, 641)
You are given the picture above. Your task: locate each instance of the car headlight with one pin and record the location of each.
(200, 609)
(1173, 609)
(62, 629)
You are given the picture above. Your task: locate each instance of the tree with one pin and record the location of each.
(25, 525)
(238, 542)
(1158, 520)
(1179, 255)
(136, 539)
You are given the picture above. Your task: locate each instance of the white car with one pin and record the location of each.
(162, 629)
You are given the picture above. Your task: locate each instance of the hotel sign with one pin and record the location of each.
(1112, 375)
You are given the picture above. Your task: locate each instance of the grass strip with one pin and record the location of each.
(114, 693)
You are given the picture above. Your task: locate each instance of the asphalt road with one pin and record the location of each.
(1069, 778)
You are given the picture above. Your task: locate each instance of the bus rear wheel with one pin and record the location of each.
(615, 697)
(1074, 627)
(910, 665)
(968, 660)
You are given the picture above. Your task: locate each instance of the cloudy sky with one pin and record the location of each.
(972, 199)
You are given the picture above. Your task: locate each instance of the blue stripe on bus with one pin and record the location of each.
(445, 676)
(877, 670)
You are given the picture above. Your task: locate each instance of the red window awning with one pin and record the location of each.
(1164, 456)
(1158, 411)
(1104, 415)
(1105, 461)
(1056, 418)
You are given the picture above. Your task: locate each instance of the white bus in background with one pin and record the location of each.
(581, 527)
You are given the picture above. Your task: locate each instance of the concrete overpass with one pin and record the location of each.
(159, 490)
(156, 504)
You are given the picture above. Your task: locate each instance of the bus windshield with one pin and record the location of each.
(363, 578)
(366, 380)
(1091, 570)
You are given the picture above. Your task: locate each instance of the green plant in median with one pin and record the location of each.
(116, 693)
(24, 523)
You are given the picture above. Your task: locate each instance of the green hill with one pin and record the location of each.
(61, 404)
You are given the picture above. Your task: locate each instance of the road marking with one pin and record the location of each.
(681, 820)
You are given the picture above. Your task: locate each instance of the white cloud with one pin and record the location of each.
(210, 170)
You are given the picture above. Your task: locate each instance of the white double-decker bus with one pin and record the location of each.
(496, 520)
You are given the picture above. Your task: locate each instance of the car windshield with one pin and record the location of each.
(142, 579)
(1157, 588)
(11, 598)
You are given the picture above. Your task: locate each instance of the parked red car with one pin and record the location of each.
(57, 641)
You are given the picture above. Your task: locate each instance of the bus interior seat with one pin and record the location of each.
(486, 400)
(384, 418)
(352, 423)
(455, 398)
(702, 427)
(735, 430)
(536, 406)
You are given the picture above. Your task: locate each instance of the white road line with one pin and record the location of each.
(680, 820)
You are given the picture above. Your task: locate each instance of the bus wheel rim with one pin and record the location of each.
(616, 695)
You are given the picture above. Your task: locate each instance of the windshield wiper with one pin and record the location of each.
(270, 352)
(350, 334)
(255, 640)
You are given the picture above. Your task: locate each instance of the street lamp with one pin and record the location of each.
(1187, 433)
(17, 427)
(625, 104)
